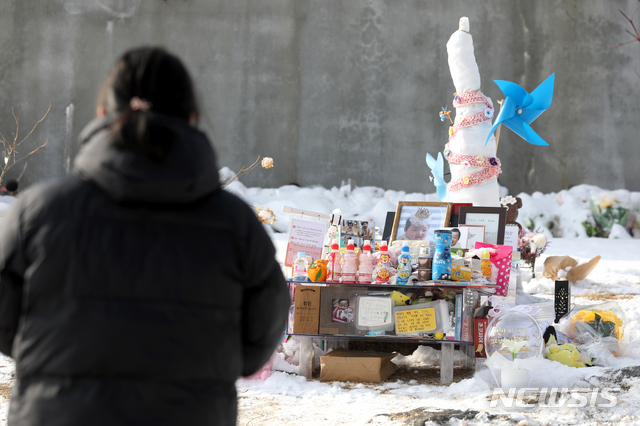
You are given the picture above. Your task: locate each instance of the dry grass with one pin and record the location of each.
(593, 295)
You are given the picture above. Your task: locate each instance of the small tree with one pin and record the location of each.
(634, 33)
(10, 147)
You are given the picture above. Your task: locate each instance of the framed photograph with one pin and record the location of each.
(455, 213)
(358, 231)
(416, 220)
(337, 310)
(475, 233)
(492, 218)
(459, 236)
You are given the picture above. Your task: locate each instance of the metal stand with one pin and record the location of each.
(446, 364)
(469, 356)
(307, 357)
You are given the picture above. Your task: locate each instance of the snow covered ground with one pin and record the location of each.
(286, 398)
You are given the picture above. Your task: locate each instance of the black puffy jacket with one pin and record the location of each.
(135, 293)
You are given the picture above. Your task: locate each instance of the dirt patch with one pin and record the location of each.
(5, 390)
(605, 296)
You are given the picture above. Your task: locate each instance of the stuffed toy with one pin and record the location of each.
(566, 354)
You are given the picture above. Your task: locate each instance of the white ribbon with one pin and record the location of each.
(497, 361)
(500, 307)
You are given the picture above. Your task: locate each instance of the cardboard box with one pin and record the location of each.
(350, 366)
(480, 327)
(460, 273)
(306, 316)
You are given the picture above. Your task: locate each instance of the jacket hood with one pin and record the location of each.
(189, 173)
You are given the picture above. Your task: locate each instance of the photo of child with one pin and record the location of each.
(366, 232)
(358, 231)
(343, 310)
(459, 237)
(416, 226)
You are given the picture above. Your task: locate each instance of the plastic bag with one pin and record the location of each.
(599, 329)
(501, 259)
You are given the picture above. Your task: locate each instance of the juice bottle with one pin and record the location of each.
(404, 265)
(485, 265)
(300, 266)
(382, 271)
(366, 267)
(334, 271)
(349, 264)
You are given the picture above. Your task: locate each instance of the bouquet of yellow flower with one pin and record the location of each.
(606, 323)
(600, 328)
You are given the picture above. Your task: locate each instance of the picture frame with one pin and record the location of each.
(455, 213)
(416, 220)
(460, 236)
(492, 218)
(358, 231)
(330, 322)
(475, 233)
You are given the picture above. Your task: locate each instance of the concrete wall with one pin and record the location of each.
(337, 89)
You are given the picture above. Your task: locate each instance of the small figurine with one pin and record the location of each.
(444, 114)
(512, 204)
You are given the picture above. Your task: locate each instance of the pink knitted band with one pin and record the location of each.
(472, 179)
(472, 120)
(468, 98)
(491, 167)
(470, 160)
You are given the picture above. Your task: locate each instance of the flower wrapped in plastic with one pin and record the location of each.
(513, 341)
(607, 209)
(600, 329)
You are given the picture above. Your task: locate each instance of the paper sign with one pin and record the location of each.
(475, 233)
(374, 311)
(307, 236)
(490, 222)
(511, 236)
(415, 320)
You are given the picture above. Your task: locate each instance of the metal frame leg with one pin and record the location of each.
(469, 356)
(307, 356)
(446, 364)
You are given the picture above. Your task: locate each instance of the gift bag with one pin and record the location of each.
(501, 259)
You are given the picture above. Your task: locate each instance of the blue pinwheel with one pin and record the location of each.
(520, 108)
(437, 170)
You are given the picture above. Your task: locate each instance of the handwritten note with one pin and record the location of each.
(490, 222)
(374, 311)
(415, 320)
(511, 236)
(306, 236)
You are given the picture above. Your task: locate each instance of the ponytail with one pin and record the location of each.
(144, 87)
(143, 132)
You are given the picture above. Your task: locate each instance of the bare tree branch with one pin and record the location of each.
(10, 151)
(634, 34)
(34, 126)
(240, 173)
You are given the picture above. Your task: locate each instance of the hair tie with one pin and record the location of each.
(139, 104)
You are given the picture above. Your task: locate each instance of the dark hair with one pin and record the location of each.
(159, 78)
(12, 185)
(456, 230)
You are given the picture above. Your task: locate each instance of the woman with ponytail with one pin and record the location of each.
(135, 291)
